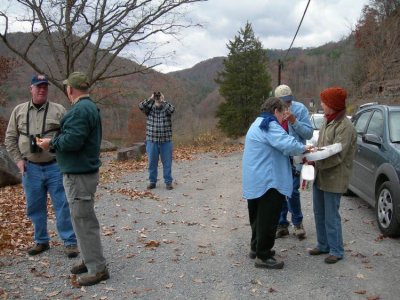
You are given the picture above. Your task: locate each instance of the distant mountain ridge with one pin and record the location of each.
(194, 92)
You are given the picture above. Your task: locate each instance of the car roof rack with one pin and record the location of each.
(367, 104)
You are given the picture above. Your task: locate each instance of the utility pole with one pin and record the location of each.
(279, 71)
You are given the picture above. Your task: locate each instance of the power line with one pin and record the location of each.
(287, 52)
(298, 28)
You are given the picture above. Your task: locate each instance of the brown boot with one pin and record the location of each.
(79, 269)
(71, 251)
(281, 231)
(38, 248)
(316, 251)
(151, 186)
(299, 231)
(91, 279)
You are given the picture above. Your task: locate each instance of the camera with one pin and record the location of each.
(157, 95)
(34, 148)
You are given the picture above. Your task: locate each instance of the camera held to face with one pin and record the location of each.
(34, 148)
(157, 95)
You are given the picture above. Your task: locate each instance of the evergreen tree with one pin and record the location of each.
(244, 83)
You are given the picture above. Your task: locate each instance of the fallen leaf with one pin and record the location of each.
(361, 292)
(169, 285)
(152, 244)
(360, 276)
(52, 294)
(168, 241)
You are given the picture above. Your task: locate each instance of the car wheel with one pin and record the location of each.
(386, 207)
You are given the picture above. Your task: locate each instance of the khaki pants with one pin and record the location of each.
(80, 190)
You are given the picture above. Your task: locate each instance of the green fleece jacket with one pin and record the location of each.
(77, 145)
(333, 173)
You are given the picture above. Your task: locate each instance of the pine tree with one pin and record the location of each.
(244, 83)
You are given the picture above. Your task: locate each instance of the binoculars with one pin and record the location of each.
(157, 95)
(34, 148)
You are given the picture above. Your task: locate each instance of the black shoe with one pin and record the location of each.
(91, 279)
(79, 269)
(253, 255)
(269, 263)
(71, 251)
(169, 186)
(151, 186)
(38, 248)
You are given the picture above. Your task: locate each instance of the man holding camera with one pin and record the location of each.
(39, 169)
(158, 137)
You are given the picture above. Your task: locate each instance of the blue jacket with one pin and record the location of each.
(302, 129)
(266, 161)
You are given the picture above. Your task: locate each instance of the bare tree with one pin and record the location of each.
(91, 34)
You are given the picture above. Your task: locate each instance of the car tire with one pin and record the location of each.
(387, 209)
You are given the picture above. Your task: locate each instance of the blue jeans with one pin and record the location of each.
(154, 151)
(38, 181)
(292, 205)
(328, 222)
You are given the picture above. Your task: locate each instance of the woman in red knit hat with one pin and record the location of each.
(332, 174)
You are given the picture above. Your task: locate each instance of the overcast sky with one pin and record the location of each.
(274, 22)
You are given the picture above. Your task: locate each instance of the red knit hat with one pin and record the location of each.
(334, 97)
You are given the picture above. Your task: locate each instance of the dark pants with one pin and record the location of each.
(264, 215)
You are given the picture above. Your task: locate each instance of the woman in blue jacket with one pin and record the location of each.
(267, 178)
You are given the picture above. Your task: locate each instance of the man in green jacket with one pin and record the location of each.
(333, 174)
(77, 150)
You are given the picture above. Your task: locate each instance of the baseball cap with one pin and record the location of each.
(77, 80)
(39, 79)
(284, 93)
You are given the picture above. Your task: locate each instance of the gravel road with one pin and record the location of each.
(192, 243)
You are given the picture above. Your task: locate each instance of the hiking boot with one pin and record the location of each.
(71, 251)
(269, 263)
(169, 186)
(253, 255)
(282, 231)
(91, 279)
(316, 251)
(299, 231)
(38, 248)
(331, 259)
(79, 269)
(151, 186)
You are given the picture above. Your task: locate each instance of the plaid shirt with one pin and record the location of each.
(158, 125)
